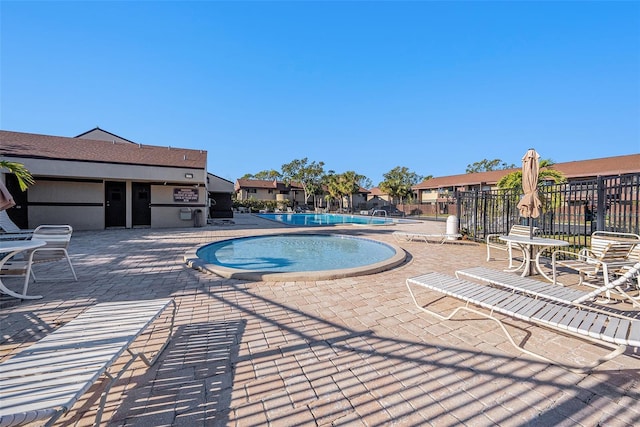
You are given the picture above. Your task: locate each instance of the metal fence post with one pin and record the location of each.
(601, 212)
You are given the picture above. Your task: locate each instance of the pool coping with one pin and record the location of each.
(192, 260)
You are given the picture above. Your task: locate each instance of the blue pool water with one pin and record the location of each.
(326, 219)
(296, 253)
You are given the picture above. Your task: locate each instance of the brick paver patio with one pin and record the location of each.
(351, 351)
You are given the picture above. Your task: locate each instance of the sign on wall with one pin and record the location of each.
(185, 194)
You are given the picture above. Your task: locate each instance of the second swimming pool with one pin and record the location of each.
(328, 219)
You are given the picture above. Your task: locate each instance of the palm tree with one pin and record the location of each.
(513, 181)
(25, 179)
(547, 173)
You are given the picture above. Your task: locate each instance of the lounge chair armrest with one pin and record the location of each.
(577, 256)
(586, 252)
(494, 238)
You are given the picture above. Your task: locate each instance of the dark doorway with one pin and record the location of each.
(19, 214)
(221, 205)
(141, 204)
(116, 204)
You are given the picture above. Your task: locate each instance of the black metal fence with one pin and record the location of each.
(571, 211)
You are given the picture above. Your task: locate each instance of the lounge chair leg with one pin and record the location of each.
(510, 251)
(134, 356)
(152, 360)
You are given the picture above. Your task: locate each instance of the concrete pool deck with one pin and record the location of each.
(350, 351)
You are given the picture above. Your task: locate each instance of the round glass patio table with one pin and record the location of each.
(11, 248)
(532, 247)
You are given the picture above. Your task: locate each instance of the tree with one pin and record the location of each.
(513, 181)
(332, 183)
(365, 182)
(267, 175)
(488, 165)
(25, 179)
(339, 186)
(350, 185)
(308, 175)
(398, 183)
(547, 173)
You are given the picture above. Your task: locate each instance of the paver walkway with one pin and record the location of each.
(346, 352)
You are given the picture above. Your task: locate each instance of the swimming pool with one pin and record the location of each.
(328, 219)
(295, 256)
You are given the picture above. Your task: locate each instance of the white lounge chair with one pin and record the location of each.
(607, 330)
(43, 381)
(536, 288)
(425, 237)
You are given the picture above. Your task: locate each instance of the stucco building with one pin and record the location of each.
(99, 180)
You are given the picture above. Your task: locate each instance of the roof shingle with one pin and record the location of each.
(617, 165)
(29, 145)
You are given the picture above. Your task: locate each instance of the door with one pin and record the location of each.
(115, 204)
(19, 213)
(141, 205)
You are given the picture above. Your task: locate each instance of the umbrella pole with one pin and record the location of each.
(530, 228)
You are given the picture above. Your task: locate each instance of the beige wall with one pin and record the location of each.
(428, 196)
(59, 193)
(111, 171)
(263, 194)
(80, 218)
(169, 216)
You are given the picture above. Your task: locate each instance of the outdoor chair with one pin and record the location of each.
(44, 381)
(425, 237)
(608, 254)
(606, 329)
(544, 289)
(634, 256)
(57, 238)
(493, 241)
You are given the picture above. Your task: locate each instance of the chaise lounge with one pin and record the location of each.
(425, 237)
(537, 288)
(605, 329)
(44, 381)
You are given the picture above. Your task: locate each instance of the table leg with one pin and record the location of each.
(528, 254)
(8, 291)
(525, 266)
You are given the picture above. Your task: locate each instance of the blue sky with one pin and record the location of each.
(363, 86)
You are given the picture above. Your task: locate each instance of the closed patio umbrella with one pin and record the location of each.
(6, 200)
(530, 204)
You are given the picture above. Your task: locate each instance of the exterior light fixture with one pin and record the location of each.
(188, 175)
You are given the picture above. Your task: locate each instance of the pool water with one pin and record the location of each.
(326, 219)
(298, 255)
